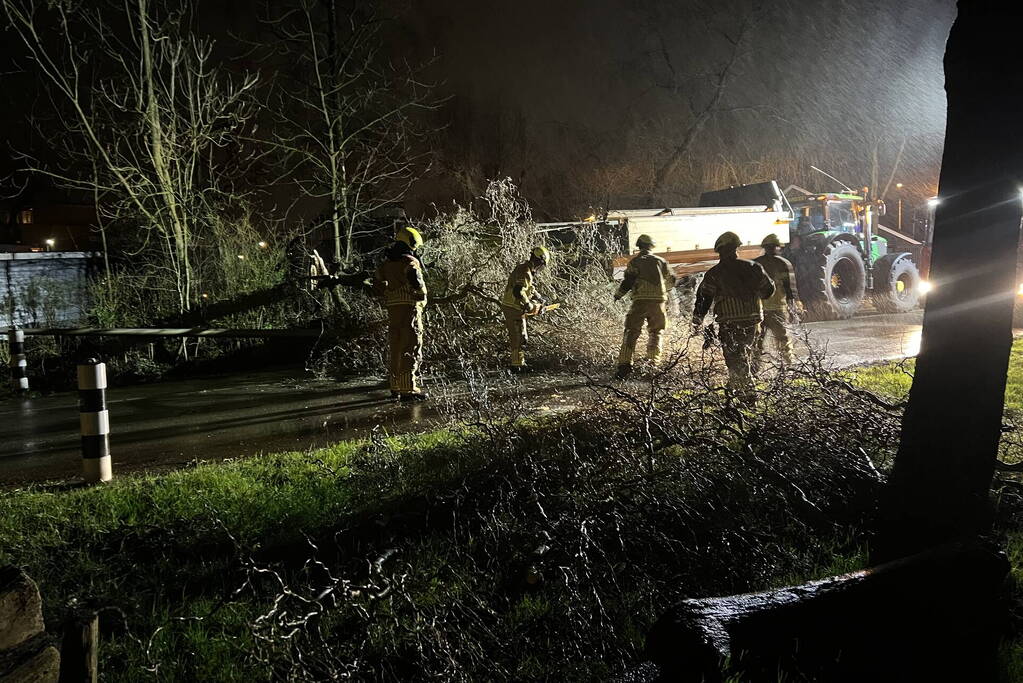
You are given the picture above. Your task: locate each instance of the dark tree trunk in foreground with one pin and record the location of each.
(940, 484)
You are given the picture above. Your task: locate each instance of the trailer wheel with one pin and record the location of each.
(896, 284)
(833, 286)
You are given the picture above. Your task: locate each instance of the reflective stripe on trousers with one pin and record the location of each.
(643, 311)
(405, 337)
(515, 323)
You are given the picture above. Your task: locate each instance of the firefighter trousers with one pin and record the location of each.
(738, 341)
(775, 324)
(405, 337)
(515, 323)
(653, 314)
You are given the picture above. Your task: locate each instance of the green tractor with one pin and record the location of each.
(839, 258)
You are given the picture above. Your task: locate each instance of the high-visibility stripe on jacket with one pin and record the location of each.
(735, 288)
(399, 281)
(648, 277)
(518, 293)
(781, 273)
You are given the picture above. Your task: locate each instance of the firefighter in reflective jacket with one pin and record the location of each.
(519, 302)
(648, 279)
(735, 288)
(780, 304)
(400, 284)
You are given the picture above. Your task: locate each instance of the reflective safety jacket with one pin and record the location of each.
(780, 271)
(735, 288)
(399, 280)
(519, 293)
(648, 277)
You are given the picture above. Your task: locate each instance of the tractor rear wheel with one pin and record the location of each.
(833, 285)
(896, 284)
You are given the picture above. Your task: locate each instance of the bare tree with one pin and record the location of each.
(700, 85)
(142, 116)
(347, 126)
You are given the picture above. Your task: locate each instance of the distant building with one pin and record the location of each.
(49, 220)
(45, 289)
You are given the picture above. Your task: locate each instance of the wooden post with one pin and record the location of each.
(79, 651)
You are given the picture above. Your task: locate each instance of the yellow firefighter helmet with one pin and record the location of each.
(540, 254)
(409, 236)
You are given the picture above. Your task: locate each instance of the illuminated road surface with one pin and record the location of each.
(867, 338)
(172, 423)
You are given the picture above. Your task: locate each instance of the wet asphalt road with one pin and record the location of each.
(172, 423)
(867, 338)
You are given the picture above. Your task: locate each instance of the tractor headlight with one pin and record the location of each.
(924, 287)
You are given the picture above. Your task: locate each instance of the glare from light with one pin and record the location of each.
(898, 186)
(50, 242)
(924, 287)
(263, 245)
(911, 343)
(1019, 290)
(241, 257)
(933, 202)
(205, 295)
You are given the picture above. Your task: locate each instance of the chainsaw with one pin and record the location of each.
(545, 309)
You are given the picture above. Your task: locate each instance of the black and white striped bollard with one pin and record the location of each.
(95, 421)
(18, 363)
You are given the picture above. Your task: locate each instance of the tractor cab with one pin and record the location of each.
(827, 212)
(833, 214)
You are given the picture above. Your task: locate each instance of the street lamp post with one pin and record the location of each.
(898, 186)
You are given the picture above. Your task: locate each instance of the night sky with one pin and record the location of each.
(548, 90)
(577, 100)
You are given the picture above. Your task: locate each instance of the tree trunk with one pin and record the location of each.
(927, 617)
(332, 115)
(940, 484)
(175, 222)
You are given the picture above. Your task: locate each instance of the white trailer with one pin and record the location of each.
(685, 236)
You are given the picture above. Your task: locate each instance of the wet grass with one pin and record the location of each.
(1010, 652)
(160, 553)
(894, 379)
